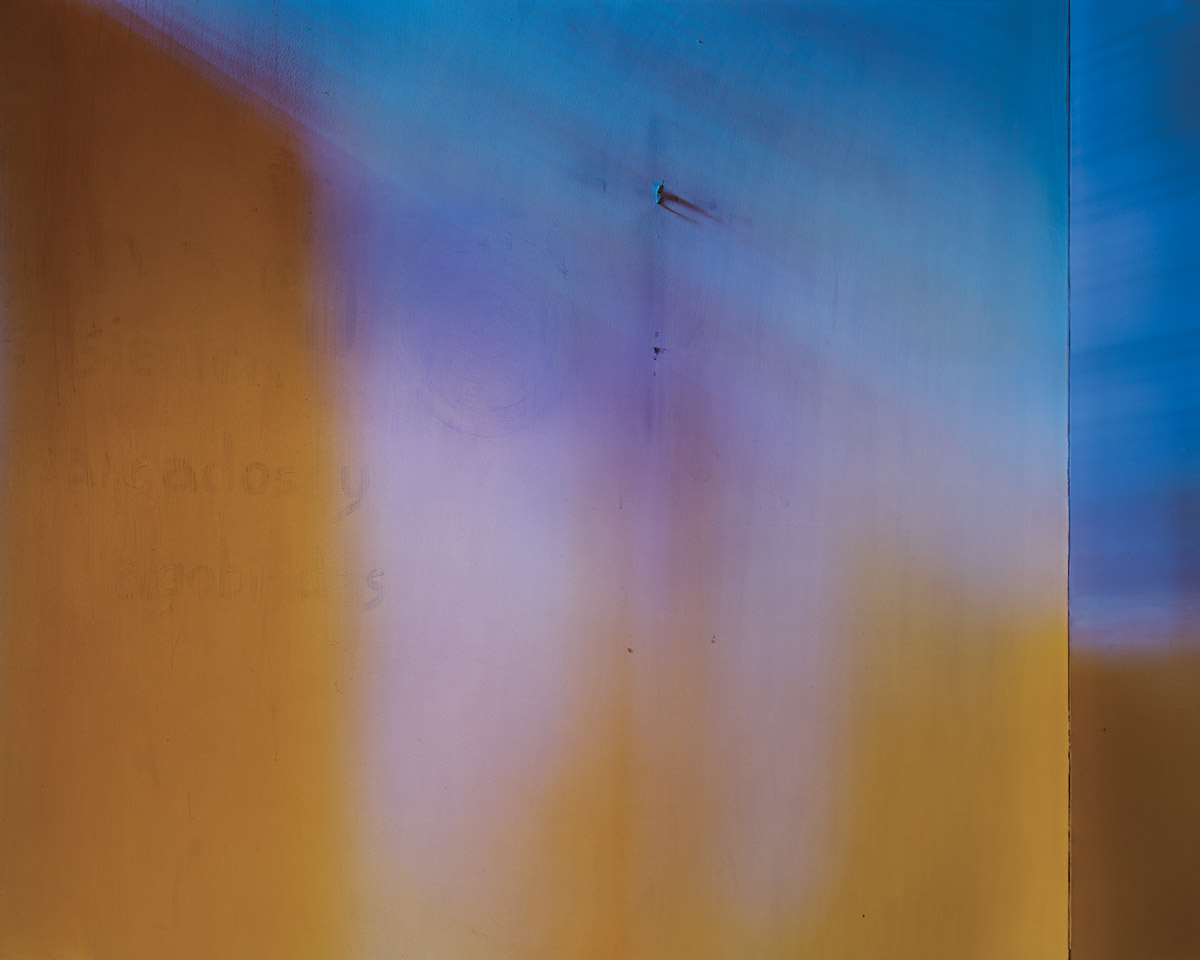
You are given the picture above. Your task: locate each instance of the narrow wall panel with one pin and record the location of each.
(1135, 679)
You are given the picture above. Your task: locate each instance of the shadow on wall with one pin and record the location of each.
(627, 828)
(1135, 778)
(169, 727)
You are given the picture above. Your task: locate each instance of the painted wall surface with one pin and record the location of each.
(534, 481)
(1135, 479)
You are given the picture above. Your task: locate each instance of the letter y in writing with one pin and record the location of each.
(354, 494)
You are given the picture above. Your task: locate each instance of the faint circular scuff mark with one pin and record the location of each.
(493, 328)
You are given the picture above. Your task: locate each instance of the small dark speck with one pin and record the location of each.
(699, 41)
(629, 649)
(1104, 729)
(657, 351)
